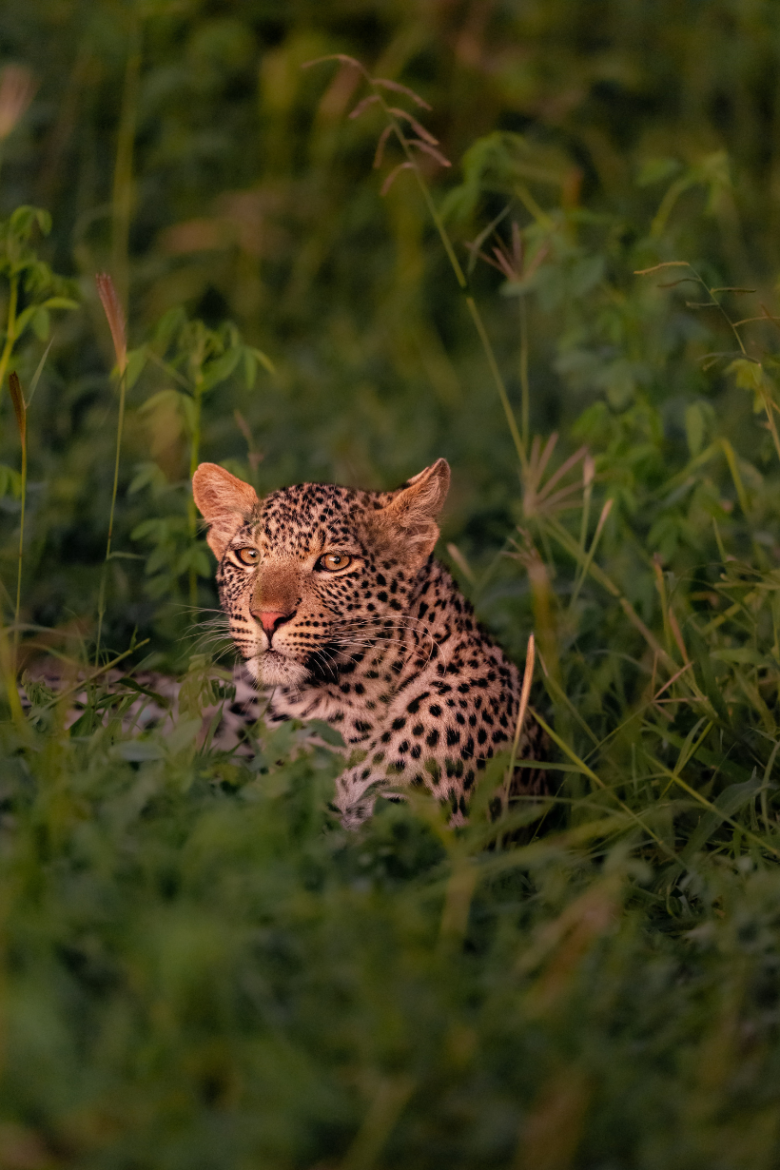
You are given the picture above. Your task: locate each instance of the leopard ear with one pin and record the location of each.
(408, 520)
(225, 502)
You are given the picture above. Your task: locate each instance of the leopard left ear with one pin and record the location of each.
(225, 501)
(408, 519)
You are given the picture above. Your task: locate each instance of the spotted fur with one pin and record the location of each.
(385, 649)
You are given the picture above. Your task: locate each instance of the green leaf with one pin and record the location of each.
(60, 303)
(705, 672)
(654, 170)
(326, 732)
(41, 323)
(220, 369)
(148, 528)
(25, 219)
(742, 655)
(182, 736)
(170, 324)
(619, 383)
(262, 358)
(694, 428)
(586, 274)
(163, 398)
(10, 481)
(24, 319)
(136, 360)
(730, 801)
(147, 475)
(250, 367)
(139, 750)
(748, 375)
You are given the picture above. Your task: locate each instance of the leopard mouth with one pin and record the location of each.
(272, 668)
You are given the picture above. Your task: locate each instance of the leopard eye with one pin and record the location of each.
(247, 556)
(332, 562)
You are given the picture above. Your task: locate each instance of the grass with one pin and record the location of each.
(198, 965)
(202, 968)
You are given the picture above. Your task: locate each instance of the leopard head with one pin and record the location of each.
(313, 574)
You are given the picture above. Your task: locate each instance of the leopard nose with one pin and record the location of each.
(270, 619)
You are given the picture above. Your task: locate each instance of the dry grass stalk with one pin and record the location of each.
(17, 90)
(115, 316)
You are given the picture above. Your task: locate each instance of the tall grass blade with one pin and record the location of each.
(116, 321)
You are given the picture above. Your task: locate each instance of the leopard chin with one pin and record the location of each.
(272, 669)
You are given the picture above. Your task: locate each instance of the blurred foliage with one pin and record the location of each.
(202, 969)
(182, 147)
(580, 313)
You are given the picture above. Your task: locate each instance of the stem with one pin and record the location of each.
(102, 595)
(499, 381)
(119, 428)
(10, 336)
(8, 676)
(192, 515)
(525, 691)
(770, 419)
(584, 568)
(21, 536)
(525, 390)
(676, 189)
(434, 214)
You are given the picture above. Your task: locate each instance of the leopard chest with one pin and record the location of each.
(431, 705)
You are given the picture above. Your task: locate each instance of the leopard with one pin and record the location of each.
(342, 613)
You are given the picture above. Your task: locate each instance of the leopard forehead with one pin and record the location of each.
(304, 518)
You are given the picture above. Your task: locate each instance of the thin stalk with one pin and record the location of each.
(770, 418)
(20, 410)
(585, 566)
(21, 536)
(525, 387)
(192, 515)
(525, 691)
(112, 306)
(102, 595)
(588, 472)
(10, 335)
(8, 676)
(119, 428)
(499, 381)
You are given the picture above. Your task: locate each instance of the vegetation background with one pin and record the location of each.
(198, 967)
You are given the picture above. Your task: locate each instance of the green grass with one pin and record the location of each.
(201, 968)
(198, 966)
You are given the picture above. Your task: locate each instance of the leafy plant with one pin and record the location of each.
(197, 359)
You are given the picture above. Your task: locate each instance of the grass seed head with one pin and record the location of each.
(17, 89)
(115, 316)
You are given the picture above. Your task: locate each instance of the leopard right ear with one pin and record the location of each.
(409, 519)
(225, 502)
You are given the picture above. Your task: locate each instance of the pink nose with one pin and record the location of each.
(269, 618)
